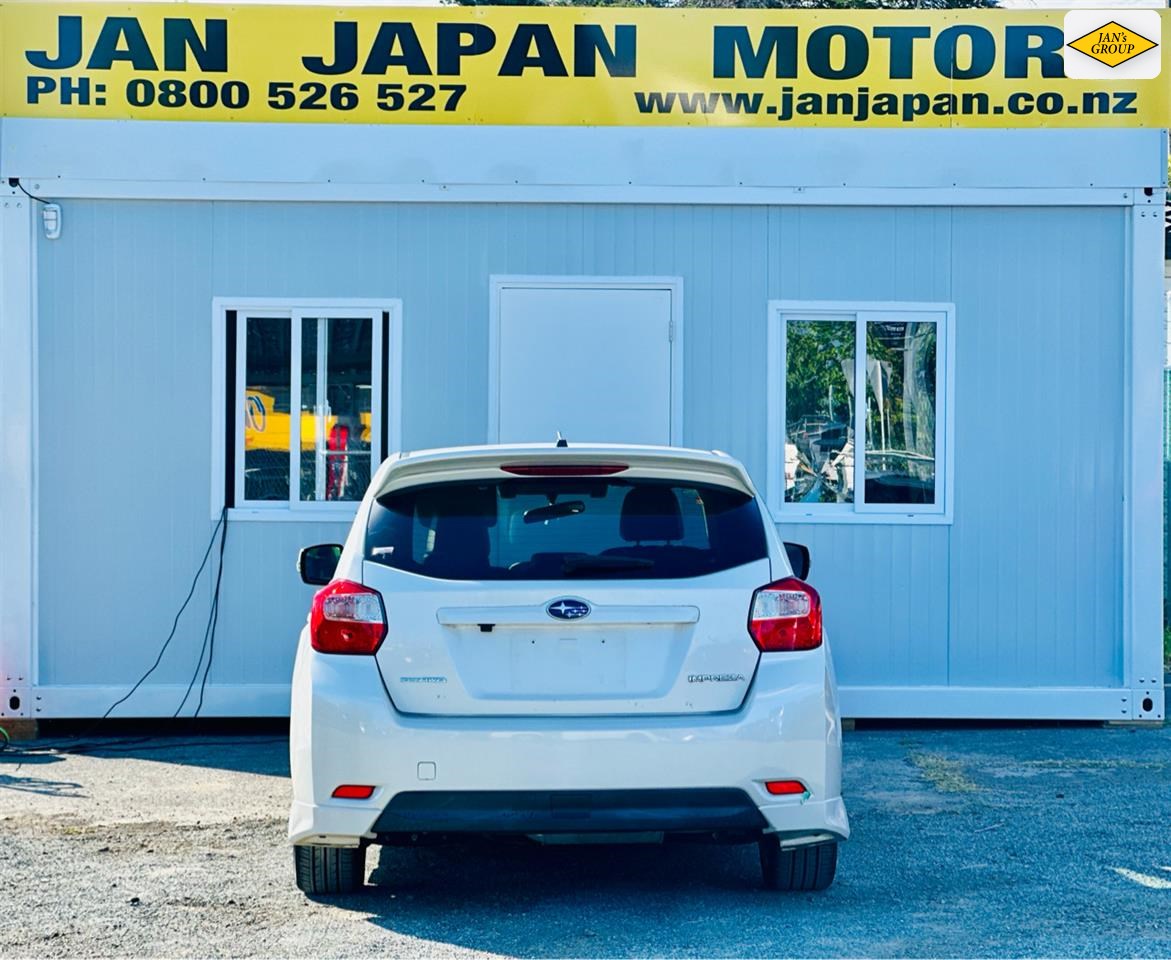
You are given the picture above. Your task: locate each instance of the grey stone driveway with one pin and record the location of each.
(1039, 841)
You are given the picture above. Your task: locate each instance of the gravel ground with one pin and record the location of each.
(967, 842)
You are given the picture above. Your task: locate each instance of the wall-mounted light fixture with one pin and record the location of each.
(51, 220)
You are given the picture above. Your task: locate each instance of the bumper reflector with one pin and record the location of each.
(784, 788)
(353, 791)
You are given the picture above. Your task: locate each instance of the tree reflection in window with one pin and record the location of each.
(819, 411)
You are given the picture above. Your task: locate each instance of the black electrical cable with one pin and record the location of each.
(77, 744)
(15, 182)
(175, 624)
(135, 743)
(208, 635)
(198, 663)
(215, 619)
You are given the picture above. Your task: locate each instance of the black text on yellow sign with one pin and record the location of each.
(508, 65)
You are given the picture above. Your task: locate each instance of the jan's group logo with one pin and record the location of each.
(1112, 44)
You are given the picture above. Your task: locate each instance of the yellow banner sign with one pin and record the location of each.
(561, 65)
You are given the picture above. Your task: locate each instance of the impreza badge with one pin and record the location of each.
(715, 678)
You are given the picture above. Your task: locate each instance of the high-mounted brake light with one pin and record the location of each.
(564, 469)
(347, 617)
(786, 615)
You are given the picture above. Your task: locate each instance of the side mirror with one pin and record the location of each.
(318, 563)
(798, 559)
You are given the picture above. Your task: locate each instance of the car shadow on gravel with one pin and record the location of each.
(524, 899)
(42, 785)
(14, 776)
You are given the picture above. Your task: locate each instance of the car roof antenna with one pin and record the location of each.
(561, 441)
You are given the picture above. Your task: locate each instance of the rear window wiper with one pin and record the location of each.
(577, 564)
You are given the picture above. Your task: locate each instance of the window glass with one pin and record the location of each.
(900, 412)
(267, 374)
(819, 411)
(336, 394)
(565, 528)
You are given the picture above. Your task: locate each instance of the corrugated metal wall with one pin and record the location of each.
(1024, 589)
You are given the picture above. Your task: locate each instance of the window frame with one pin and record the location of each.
(780, 313)
(385, 406)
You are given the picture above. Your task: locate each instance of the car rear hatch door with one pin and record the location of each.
(566, 595)
(469, 649)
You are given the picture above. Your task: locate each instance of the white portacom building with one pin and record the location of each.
(938, 352)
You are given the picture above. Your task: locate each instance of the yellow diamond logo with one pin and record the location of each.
(1112, 44)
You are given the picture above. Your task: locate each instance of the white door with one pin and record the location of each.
(595, 361)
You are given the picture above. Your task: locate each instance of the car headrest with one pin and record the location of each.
(652, 513)
(461, 540)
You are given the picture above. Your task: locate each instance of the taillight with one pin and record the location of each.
(786, 615)
(564, 469)
(347, 617)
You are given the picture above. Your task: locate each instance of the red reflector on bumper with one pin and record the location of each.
(353, 791)
(784, 788)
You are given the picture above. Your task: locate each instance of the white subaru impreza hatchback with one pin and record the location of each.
(594, 643)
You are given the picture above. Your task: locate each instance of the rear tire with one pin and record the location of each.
(329, 871)
(797, 868)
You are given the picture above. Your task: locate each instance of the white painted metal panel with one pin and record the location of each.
(593, 363)
(152, 153)
(1024, 592)
(18, 450)
(1036, 558)
(929, 702)
(1143, 518)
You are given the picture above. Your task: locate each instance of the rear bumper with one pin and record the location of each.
(563, 774)
(569, 811)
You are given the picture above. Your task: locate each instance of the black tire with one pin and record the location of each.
(327, 871)
(797, 868)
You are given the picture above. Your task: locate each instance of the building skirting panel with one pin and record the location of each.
(929, 703)
(992, 703)
(160, 700)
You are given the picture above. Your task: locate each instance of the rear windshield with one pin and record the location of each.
(535, 528)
